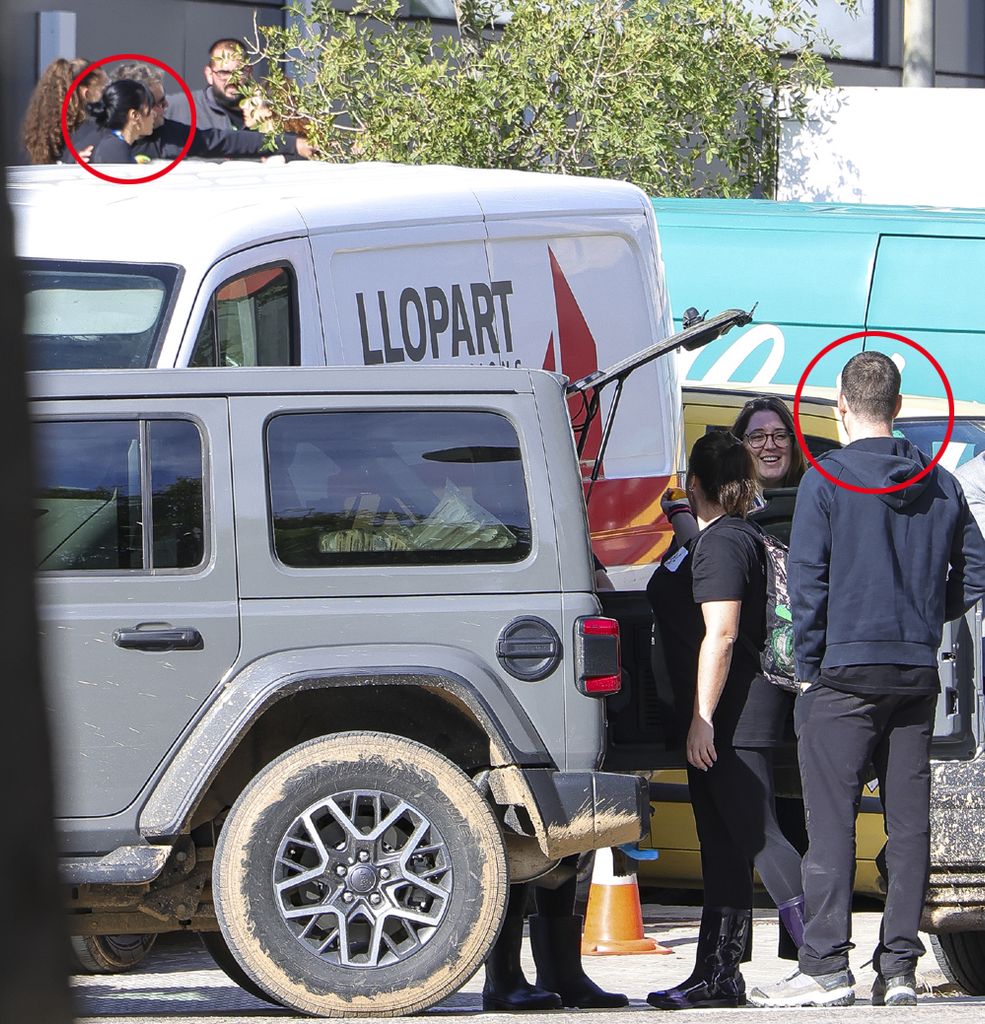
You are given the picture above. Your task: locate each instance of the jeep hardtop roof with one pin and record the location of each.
(203, 210)
(446, 381)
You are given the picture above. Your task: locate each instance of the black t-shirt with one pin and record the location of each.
(111, 149)
(725, 562)
(879, 679)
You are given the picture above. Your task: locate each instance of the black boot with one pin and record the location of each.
(506, 988)
(556, 944)
(716, 980)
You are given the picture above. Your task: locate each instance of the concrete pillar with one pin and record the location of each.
(918, 43)
(56, 37)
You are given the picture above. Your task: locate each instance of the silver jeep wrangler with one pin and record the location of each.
(326, 664)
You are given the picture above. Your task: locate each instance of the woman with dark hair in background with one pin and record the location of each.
(709, 601)
(41, 132)
(125, 113)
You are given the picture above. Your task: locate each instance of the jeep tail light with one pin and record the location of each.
(598, 666)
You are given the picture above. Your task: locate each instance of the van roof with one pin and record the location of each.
(870, 218)
(62, 212)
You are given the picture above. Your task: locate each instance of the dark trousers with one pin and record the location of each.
(735, 814)
(839, 735)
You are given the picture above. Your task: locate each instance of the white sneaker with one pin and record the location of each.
(836, 989)
(898, 991)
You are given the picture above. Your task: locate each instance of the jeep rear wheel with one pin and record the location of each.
(110, 954)
(360, 874)
(961, 957)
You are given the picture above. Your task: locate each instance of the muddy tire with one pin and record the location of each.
(110, 954)
(360, 875)
(961, 957)
(215, 946)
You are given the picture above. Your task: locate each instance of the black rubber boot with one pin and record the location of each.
(716, 980)
(556, 944)
(506, 988)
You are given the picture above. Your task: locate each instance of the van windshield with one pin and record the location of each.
(82, 315)
(967, 438)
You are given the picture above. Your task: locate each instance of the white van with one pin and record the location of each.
(366, 264)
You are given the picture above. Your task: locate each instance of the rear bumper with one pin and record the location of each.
(571, 812)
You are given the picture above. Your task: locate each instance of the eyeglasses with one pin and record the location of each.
(243, 71)
(161, 104)
(758, 438)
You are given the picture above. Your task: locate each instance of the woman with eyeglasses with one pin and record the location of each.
(766, 426)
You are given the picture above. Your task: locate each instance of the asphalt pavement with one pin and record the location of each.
(179, 981)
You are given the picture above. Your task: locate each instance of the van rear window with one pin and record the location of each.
(83, 315)
(396, 488)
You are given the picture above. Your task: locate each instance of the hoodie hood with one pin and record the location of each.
(881, 462)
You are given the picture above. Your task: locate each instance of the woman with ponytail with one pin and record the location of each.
(124, 113)
(709, 601)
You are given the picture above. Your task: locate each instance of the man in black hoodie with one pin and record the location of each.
(872, 580)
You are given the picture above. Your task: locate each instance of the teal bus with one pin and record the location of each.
(819, 271)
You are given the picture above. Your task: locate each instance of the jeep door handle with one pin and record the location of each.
(168, 638)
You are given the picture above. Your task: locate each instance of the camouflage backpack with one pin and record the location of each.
(777, 656)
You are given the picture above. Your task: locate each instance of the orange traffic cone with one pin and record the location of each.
(614, 920)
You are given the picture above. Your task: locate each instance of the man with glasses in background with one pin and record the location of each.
(218, 105)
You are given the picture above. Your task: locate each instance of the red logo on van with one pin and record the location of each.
(579, 354)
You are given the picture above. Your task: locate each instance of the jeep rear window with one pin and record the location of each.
(83, 315)
(118, 495)
(396, 488)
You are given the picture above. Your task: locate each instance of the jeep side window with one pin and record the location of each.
(101, 481)
(251, 321)
(396, 488)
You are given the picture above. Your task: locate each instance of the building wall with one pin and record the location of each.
(959, 45)
(179, 32)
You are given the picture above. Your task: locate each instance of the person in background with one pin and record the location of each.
(41, 132)
(124, 113)
(872, 579)
(709, 602)
(168, 138)
(971, 476)
(555, 939)
(218, 105)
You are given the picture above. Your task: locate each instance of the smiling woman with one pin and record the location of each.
(124, 113)
(766, 426)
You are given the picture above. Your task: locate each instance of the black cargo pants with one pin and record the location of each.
(839, 735)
